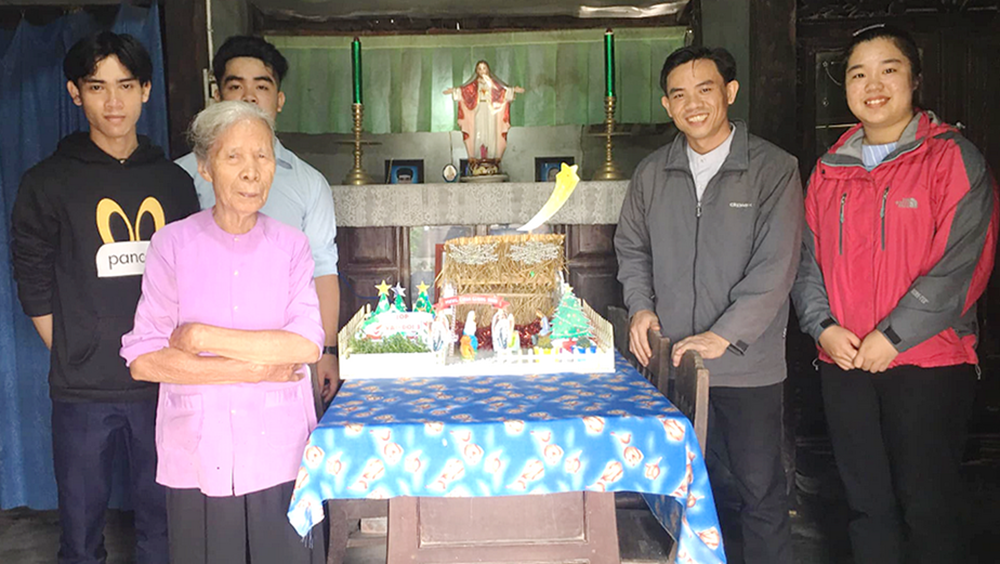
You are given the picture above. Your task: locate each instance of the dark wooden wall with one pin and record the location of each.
(185, 45)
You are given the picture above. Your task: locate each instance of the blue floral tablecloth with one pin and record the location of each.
(513, 435)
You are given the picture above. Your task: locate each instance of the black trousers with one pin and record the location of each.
(898, 439)
(84, 436)
(743, 457)
(245, 529)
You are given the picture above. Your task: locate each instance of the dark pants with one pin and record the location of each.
(251, 528)
(898, 439)
(84, 436)
(743, 458)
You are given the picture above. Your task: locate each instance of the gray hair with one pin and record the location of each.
(216, 119)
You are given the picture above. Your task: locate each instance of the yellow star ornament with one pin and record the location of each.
(383, 288)
(422, 287)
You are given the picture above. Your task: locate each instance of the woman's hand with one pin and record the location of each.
(841, 344)
(875, 353)
(278, 372)
(188, 338)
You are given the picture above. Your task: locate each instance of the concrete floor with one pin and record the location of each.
(819, 521)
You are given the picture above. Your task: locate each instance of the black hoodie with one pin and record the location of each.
(80, 225)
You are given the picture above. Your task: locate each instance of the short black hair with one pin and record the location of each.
(900, 38)
(82, 58)
(253, 47)
(404, 170)
(722, 58)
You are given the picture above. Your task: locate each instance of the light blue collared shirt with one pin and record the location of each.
(300, 196)
(873, 155)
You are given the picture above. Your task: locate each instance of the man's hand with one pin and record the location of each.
(708, 344)
(187, 338)
(43, 324)
(328, 369)
(841, 344)
(875, 353)
(638, 341)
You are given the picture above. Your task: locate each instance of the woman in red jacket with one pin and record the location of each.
(901, 231)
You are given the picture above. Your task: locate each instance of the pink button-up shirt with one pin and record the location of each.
(237, 438)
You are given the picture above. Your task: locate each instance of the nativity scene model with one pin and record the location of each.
(504, 308)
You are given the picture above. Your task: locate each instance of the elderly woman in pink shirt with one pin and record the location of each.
(227, 321)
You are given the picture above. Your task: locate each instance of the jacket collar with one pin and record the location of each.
(847, 151)
(739, 151)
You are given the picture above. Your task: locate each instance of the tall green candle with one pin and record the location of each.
(609, 62)
(356, 69)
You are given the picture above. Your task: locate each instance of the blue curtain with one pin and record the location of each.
(35, 113)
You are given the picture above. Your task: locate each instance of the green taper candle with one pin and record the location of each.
(609, 62)
(356, 69)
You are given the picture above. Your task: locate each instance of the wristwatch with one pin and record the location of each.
(330, 349)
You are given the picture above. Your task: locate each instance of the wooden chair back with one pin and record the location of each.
(686, 386)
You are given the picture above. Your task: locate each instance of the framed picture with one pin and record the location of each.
(546, 168)
(404, 171)
(463, 167)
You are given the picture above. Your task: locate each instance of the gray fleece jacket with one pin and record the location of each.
(725, 264)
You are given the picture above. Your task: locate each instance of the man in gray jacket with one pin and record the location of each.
(708, 246)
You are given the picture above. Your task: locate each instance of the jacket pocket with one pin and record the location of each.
(179, 426)
(285, 424)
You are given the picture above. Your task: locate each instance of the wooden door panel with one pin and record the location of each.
(369, 255)
(463, 521)
(369, 246)
(592, 264)
(577, 527)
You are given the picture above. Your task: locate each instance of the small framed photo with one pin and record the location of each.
(463, 167)
(546, 168)
(404, 171)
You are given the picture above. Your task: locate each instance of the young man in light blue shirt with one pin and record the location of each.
(250, 69)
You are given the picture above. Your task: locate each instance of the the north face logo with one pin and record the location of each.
(907, 203)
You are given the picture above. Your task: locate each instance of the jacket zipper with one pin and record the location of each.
(843, 202)
(885, 198)
(694, 269)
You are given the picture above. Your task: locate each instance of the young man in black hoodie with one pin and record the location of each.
(80, 228)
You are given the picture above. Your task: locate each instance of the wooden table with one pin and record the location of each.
(500, 469)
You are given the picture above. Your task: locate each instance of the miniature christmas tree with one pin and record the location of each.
(382, 306)
(383, 299)
(569, 321)
(399, 305)
(423, 302)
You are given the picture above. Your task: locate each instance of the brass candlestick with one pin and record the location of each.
(357, 176)
(610, 170)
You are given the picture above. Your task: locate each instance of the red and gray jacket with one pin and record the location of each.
(906, 248)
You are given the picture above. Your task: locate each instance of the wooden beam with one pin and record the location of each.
(772, 84)
(186, 55)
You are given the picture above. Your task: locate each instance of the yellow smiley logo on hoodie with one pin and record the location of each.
(124, 258)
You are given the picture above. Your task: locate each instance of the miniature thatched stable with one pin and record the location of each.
(523, 269)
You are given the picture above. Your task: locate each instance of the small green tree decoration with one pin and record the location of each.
(423, 302)
(568, 321)
(399, 305)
